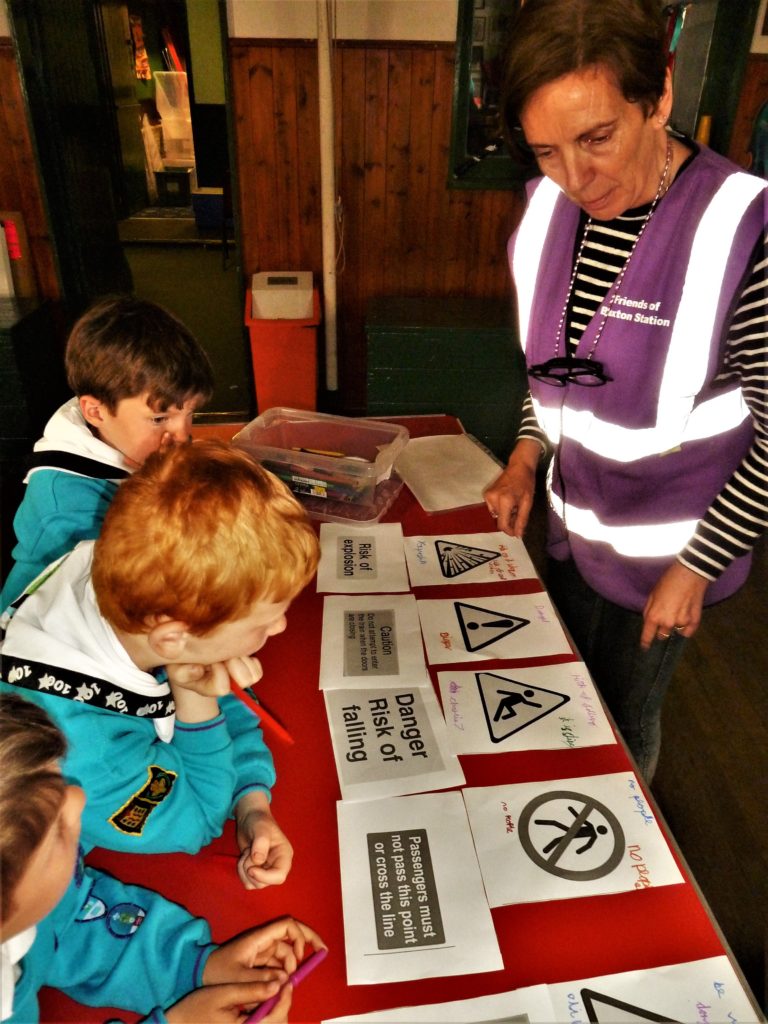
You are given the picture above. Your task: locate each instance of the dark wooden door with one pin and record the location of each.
(63, 76)
(129, 176)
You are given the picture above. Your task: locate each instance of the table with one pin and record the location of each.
(540, 942)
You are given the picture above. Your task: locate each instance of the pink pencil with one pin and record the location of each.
(298, 975)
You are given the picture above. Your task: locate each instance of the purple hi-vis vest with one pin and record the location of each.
(640, 460)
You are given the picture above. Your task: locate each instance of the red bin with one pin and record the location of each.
(284, 358)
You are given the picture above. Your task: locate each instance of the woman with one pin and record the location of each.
(641, 300)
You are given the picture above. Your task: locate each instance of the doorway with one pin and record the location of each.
(127, 102)
(178, 231)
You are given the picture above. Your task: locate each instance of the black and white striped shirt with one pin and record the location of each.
(739, 513)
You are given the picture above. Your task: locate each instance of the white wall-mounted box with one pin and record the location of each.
(282, 295)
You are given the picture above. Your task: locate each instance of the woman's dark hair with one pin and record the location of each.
(552, 38)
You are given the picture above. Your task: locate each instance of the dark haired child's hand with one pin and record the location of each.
(269, 953)
(216, 680)
(230, 1004)
(266, 854)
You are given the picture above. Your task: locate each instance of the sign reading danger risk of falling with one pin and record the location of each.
(388, 742)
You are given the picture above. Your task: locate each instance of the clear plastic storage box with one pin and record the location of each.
(331, 458)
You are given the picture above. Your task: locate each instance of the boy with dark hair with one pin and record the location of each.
(99, 941)
(200, 555)
(138, 376)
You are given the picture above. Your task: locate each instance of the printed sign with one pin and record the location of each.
(370, 643)
(543, 708)
(388, 742)
(571, 837)
(467, 558)
(523, 1006)
(371, 640)
(414, 905)
(506, 626)
(362, 559)
(701, 990)
(406, 906)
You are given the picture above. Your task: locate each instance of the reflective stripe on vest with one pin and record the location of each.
(655, 540)
(687, 359)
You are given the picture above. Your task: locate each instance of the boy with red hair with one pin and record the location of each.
(200, 555)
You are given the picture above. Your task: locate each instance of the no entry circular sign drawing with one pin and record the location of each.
(571, 835)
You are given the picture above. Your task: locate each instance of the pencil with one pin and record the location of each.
(270, 723)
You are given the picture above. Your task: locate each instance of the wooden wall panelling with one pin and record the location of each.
(19, 182)
(405, 231)
(247, 153)
(310, 251)
(398, 166)
(439, 196)
(256, 148)
(361, 148)
(416, 226)
(376, 87)
(286, 157)
(353, 171)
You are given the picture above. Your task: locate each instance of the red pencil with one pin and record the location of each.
(270, 723)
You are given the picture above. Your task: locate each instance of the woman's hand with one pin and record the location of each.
(674, 605)
(510, 497)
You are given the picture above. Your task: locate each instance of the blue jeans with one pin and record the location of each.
(631, 681)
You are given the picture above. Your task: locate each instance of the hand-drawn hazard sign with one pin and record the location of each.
(575, 837)
(602, 1008)
(455, 559)
(510, 706)
(481, 627)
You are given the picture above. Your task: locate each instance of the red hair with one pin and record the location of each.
(200, 533)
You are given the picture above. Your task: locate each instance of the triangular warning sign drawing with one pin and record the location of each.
(455, 559)
(601, 1009)
(509, 705)
(482, 626)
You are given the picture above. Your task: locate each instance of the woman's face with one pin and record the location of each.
(606, 153)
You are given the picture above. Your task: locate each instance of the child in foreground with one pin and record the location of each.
(99, 941)
(200, 555)
(138, 375)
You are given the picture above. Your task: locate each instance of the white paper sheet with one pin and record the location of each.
(544, 708)
(362, 559)
(371, 640)
(706, 991)
(388, 742)
(446, 471)
(467, 558)
(567, 837)
(414, 905)
(522, 1006)
(479, 628)
(703, 991)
